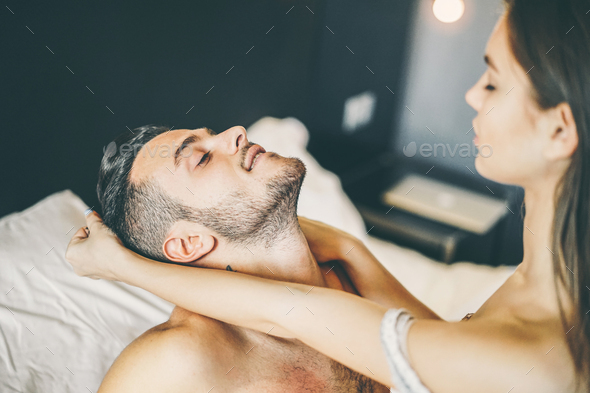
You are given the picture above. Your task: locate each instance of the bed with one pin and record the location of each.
(61, 333)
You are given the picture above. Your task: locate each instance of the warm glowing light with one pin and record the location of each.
(448, 11)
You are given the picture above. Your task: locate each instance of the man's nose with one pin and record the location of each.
(235, 139)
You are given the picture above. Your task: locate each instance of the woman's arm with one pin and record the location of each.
(376, 283)
(340, 325)
(447, 356)
(370, 278)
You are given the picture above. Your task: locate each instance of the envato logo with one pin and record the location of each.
(164, 150)
(463, 150)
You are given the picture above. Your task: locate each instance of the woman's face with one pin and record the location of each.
(507, 117)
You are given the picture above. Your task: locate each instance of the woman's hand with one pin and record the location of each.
(93, 250)
(326, 242)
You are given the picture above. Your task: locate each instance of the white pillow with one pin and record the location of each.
(60, 332)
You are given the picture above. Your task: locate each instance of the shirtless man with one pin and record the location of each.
(215, 201)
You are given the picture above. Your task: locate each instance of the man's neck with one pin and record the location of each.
(289, 259)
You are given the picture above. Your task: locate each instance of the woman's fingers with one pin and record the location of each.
(74, 244)
(84, 232)
(92, 248)
(80, 234)
(93, 219)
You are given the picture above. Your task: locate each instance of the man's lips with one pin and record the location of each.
(252, 151)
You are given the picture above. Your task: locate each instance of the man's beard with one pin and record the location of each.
(246, 220)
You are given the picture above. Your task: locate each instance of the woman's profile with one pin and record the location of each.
(533, 333)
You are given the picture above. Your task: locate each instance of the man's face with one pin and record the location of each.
(213, 174)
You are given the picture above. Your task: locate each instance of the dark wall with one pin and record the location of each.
(148, 62)
(74, 75)
(362, 48)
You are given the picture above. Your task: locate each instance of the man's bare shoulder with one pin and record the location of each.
(174, 356)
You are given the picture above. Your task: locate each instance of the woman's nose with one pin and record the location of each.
(474, 96)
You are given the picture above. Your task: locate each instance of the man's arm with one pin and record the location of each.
(374, 282)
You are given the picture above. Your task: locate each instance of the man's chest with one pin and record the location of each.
(279, 365)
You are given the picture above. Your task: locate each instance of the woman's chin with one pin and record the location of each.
(488, 170)
(482, 167)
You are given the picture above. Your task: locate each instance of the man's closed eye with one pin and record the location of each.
(204, 159)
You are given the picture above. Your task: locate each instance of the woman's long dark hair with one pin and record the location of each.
(553, 36)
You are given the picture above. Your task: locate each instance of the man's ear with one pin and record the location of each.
(563, 133)
(188, 246)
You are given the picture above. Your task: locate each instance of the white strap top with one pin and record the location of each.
(394, 331)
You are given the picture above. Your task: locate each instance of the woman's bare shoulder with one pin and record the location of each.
(486, 355)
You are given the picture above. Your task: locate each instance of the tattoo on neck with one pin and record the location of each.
(230, 269)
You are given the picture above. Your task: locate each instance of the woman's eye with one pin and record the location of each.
(490, 87)
(204, 158)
